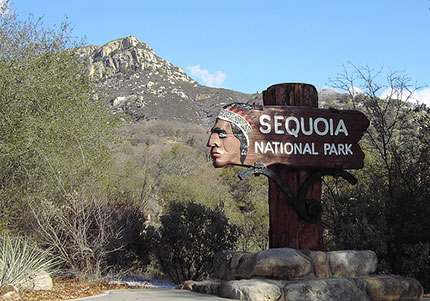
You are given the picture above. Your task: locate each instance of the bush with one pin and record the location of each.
(55, 137)
(89, 234)
(19, 260)
(189, 237)
(415, 263)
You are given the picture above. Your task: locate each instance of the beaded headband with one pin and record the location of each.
(236, 113)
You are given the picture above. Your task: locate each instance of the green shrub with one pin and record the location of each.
(19, 259)
(188, 239)
(55, 137)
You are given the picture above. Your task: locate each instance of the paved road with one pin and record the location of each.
(157, 294)
(153, 294)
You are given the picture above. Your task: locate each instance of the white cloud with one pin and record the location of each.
(355, 91)
(422, 96)
(210, 79)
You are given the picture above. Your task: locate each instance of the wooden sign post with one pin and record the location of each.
(293, 143)
(286, 228)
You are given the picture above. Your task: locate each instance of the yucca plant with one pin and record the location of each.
(19, 260)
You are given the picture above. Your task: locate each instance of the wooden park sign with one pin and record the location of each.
(298, 137)
(294, 143)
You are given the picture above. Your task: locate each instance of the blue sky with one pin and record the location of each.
(249, 45)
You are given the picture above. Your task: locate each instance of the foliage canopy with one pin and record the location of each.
(54, 137)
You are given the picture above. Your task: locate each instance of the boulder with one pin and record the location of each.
(209, 286)
(282, 263)
(38, 281)
(252, 289)
(319, 263)
(306, 275)
(245, 266)
(376, 288)
(287, 264)
(392, 287)
(352, 263)
(339, 289)
(221, 265)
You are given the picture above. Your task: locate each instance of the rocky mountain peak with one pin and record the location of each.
(133, 79)
(128, 55)
(121, 44)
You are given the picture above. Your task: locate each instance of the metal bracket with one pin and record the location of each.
(309, 209)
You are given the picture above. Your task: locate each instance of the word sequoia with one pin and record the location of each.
(293, 126)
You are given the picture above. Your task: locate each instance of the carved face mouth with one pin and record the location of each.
(216, 152)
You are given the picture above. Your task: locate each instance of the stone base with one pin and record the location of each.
(289, 274)
(377, 288)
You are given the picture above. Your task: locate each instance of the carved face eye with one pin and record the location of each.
(222, 135)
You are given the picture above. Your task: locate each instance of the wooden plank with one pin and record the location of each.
(286, 228)
(302, 137)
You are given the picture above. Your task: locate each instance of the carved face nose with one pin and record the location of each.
(214, 140)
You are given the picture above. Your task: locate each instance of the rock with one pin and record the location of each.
(352, 263)
(339, 289)
(377, 288)
(308, 275)
(287, 264)
(252, 289)
(38, 281)
(319, 263)
(230, 265)
(282, 263)
(391, 287)
(221, 265)
(187, 285)
(209, 286)
(246, 266)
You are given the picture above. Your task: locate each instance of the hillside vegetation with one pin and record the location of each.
(104, 192)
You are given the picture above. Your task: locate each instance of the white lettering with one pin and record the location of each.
(277, 147)
(307, 149)
(288, 144)
(264, 119)
(268, 148)
(324, 121)
(341, 149)
(278, 124)
(294, 132)
(333, 149)
(313, 150)
(305, 126)
(341, 127)
(348, 149)
(326, 148)
(276, 144)
(297, 148)
(304, 131)
(331, 126)
(259, 147)
(337, 149)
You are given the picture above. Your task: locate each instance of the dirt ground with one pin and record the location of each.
(66, 288)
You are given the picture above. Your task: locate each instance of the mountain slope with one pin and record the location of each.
(133, 79)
